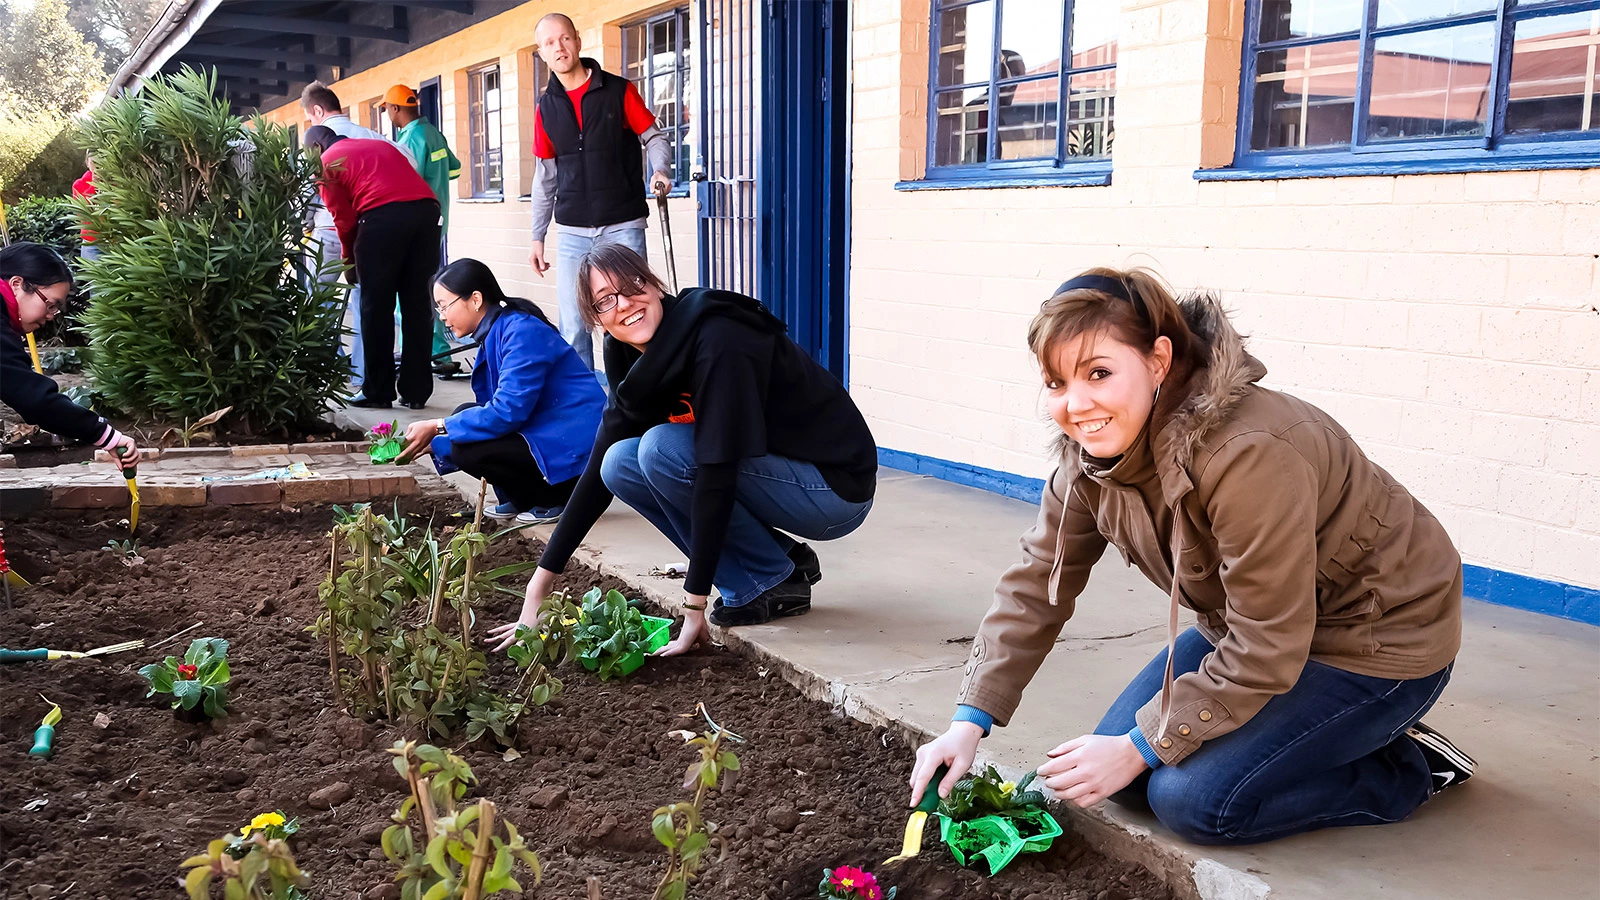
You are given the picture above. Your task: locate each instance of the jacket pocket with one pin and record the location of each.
(1347, 631)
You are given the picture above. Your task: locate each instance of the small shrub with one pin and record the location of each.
(265, 870)
(682, 827)
(199, 680)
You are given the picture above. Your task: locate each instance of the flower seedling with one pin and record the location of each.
(127, 551)
(446, 852)
(275, 826)
(986, 817)
(851, 883)
(613, 637)
(386, 444)
(266, 870)
(682, 827)
(200, 680)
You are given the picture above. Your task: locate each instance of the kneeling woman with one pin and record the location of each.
(1328, 598)
(722, 433)
(538, 405)
(34, 284)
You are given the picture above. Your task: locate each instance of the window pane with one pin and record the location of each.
(633, 52)
(1094, 32)
(1030, 37)
(1027, 126)
(966, 44)
(1431, 84)
(1305, 96)
(1284, 19)
(1553, 74)
(1090, 101)
(961, 129)
(1401, 12)
(664, 100)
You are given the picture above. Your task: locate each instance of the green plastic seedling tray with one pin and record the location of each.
(998, 840)
(660, 635)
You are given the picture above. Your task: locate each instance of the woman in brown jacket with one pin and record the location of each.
(1328, 599)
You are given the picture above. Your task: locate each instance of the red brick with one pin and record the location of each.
(172, 493)
(187, 452)
(7, 461)
(89, 496)
(260, 449)
(394, 484)
(317, 489)
(321, 447)
(241, 493)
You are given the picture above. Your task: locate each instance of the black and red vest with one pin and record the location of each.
(599, 169)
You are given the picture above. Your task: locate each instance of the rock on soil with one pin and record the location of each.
(128, 803)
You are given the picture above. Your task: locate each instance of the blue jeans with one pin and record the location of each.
(1331, 751)
(570, 248)
(655, 475)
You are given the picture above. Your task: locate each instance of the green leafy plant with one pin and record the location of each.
(265, 871)
(682, 827)
(386, 443)
(203, 295)
(851, 883)
(610, 629)
(446, 851)
(199, 680)
(538, 650)
(989, 794)
(128, 551)
(275, 826)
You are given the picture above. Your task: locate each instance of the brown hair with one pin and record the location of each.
(318, 94)
(1147, 311)
(621, 266)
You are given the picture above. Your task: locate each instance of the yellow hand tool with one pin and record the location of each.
(44, 737)
(43, 653)
(912, 845)
(133, 491)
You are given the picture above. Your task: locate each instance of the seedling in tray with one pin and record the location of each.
(614, 637)
(199, 681)
(386, 444)
(988, 818)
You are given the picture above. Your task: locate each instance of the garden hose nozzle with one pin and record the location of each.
(44, 737)
(129, 474)
(912, 844)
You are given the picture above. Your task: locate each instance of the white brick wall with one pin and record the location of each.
(1451, 322)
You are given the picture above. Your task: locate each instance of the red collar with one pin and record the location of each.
(13, 312)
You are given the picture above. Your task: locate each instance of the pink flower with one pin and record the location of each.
(187, 672)
(853, 882)
(382, 430)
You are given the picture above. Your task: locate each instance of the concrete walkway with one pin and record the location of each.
(889, 632)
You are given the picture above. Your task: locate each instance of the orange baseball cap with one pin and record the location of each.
(400, 95)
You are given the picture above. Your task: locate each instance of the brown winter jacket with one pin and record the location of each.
(1289, 545)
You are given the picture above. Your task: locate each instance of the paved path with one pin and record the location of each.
(887, 638)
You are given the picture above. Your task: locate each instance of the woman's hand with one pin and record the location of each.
(694, 630)
(1091, 768)
(956, 748)
(418, 434)
(538, 588)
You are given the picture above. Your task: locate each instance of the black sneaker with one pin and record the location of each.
(360, 401)
(1449, 765)
(446, 368)
(806, 565)
(791, 598)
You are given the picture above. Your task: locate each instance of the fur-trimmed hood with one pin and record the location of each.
(1216, 389)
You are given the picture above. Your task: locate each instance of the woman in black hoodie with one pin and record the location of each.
(34, 283)
(722, 433)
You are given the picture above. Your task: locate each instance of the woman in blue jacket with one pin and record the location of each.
(538, 405)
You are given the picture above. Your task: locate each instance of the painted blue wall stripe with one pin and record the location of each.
(1553, 598)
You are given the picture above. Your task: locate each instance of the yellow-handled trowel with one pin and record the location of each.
(129, 474)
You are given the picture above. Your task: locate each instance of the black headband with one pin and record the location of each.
(1104, 285)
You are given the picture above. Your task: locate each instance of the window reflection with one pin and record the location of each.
(1553, 74)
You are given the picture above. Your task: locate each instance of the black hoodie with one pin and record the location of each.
(722, 361)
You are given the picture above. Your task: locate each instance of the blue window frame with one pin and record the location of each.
(1002, 106)
(1378, 86)
(655, 57)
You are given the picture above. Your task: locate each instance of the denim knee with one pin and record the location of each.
(1192, 807)
(619, 470)
(666, 452)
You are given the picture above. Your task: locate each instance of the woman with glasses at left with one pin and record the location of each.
(538, 405)
(34, 284)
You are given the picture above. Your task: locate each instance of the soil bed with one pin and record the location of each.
(127, 802)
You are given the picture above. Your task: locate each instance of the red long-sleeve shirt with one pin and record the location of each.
(84, 187)
(361, 175)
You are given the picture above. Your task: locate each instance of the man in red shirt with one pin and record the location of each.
(587, 131)
(84, 187)
(388, 224)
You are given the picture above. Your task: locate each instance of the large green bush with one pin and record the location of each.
(53, 222)
(202, 298)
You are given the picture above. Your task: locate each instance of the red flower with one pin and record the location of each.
(853, 882)
(187, 672)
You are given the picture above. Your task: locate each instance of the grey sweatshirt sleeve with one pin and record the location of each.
(657, 150)
(544, 197)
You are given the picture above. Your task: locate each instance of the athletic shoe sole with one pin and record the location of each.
(1442, 745)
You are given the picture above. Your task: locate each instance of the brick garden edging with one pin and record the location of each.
(176, 477)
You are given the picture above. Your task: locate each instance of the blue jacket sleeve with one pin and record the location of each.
(524, 366)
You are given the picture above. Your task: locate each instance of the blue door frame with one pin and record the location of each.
(774, 165)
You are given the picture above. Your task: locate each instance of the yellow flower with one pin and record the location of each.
(1008, 788)
(260, 822)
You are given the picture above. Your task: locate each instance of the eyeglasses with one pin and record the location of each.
(444, 306)
(51, 304)
(608, 302)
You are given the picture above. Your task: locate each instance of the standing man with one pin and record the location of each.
(321, 106)
(430, 153)
(587, 132)
(388, 224)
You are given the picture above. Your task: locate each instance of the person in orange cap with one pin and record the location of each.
(430, 152)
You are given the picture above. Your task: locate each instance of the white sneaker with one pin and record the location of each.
(540, 516)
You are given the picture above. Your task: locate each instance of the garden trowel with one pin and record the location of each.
(129, 474)
(912, 845)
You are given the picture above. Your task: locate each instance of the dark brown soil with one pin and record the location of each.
(127, 802)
